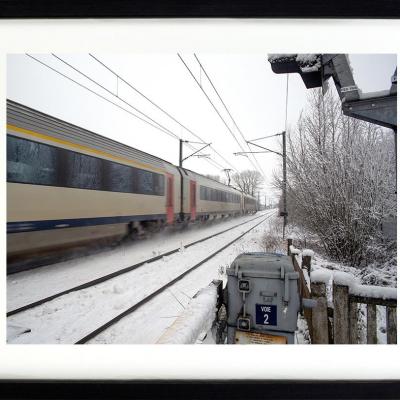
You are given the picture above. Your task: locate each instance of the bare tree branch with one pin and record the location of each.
(248, 181)
(341, 178)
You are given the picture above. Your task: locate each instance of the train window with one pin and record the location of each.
(161, 185)
(210, 194)
(149, 182)
(83, 172)
(31, 162)
(120, 178)
(144, 182)
(42, 164)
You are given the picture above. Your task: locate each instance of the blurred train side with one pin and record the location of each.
(67, 186)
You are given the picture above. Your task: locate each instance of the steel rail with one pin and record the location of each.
(145, 300)
(119, 272)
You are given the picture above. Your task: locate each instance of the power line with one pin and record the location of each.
(265, 137)
(97, 94)
(157, 126)
(230, 115)
(124, 101)
(159, 107)
(216, 110)
(215, 163)
(119, 98)
(208, 98)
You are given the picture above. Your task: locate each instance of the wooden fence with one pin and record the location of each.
(339, 324)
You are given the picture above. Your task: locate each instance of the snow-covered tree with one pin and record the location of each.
(248, 181)
(341, 178)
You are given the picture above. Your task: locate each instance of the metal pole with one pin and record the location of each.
(284, 182)
(180, 152)
(227, 170)
(181, 215)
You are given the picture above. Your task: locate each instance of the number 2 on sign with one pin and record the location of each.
(266, 319)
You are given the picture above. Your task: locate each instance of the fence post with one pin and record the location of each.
(289, 243)
(371, 324)
(306, 263)
(391, 322)
(353, 322)
(341, 334)
(319, 314)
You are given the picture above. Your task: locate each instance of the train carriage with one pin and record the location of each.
(84, 186)
(68, 186)
(214, 199)
(249, 204)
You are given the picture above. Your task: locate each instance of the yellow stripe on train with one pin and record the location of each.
(81, 147)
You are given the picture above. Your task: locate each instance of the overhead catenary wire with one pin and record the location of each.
(213, 105)
(265, 137)
(159, 107)
(127, 103)
(115, 95)
(208, 98)
(154, 125)
(98, 94)
(229, 113)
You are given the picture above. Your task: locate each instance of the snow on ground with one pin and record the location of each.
(322, 269)
(196, 320)
(325, 270)
(150, 321)
(29, 286)
(72, 316)
(302, 335)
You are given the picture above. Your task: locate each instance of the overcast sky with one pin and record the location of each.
(254, 95)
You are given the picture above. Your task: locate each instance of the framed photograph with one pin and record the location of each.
(198, 9)
(177, 187)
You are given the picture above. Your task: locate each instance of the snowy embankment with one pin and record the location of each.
(195, 320)
(72, 316)
(151, 321)
(329, 272)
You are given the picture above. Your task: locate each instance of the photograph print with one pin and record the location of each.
(196, 198)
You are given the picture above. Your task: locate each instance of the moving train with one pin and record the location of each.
(67, 186)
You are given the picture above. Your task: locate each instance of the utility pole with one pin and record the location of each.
(181, 160)
(181, 213)
(283, 213)
(284, 183)
(181, 151)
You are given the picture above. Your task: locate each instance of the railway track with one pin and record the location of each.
(149, 297)
(122, 271)
(92, 310)
(64, 253)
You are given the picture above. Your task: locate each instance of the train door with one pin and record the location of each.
(192, 200)
(170, 199)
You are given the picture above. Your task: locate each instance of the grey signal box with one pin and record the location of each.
(263, 299)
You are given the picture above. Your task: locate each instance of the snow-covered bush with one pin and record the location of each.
(272, 241)
(341, 179)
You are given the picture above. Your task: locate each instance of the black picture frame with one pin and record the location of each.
(178, 389)
(199, 9)
(199, 390)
